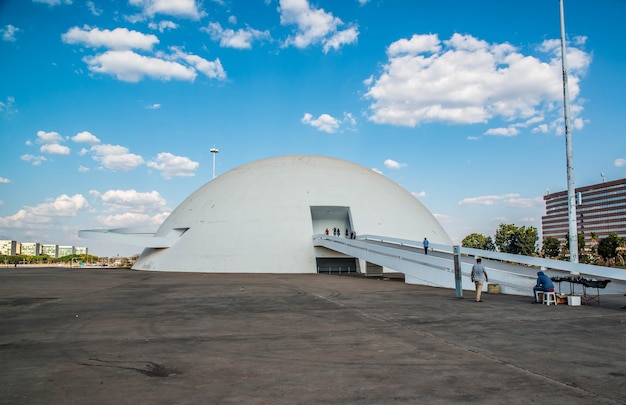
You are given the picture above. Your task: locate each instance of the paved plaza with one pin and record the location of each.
(117, 336)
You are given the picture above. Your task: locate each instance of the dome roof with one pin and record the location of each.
(261, 216)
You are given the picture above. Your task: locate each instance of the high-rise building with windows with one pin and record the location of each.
(65, 251)
(31, 248)
(600, 211)
(8, 247)
(50, 250)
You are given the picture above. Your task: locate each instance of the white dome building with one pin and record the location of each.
(260, 217)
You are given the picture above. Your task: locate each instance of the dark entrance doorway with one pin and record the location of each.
(337, 265)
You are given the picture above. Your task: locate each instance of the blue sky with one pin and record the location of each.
(108, 108)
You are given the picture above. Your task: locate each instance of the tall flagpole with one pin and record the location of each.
(571, 188)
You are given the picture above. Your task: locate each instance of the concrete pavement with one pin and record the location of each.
(113, 336)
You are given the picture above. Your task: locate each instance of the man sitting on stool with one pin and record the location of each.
(543, 284)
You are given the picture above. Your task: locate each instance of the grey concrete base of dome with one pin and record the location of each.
(128, 337)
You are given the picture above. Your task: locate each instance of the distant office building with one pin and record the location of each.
(31, 249)
(66, 251)
(50, 250)
(600, 209)
(8, 247)
(11, 248)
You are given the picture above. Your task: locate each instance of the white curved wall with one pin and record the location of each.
(257, 217)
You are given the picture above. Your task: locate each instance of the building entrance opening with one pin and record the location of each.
(331, 217)
(337, 265)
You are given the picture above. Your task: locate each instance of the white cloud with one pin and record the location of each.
(130, 200)
(419, 194)
(85, 137)
(122, 61)
(328, 123)
(49, 137)
(8, 33)
(414, 46)
(7, 107)
(21, 219)
(118, 39)
(163, 25)
(92, 8)
(176, 8)
(324, 122)
(211, 69)
(128, 219)
(129, 66)
(83, 169)
(154, 106)
(54, 149)
(53, 2)
(619, 162)
(340, 38)
(543, 128)
(392, 164)
(314, 26)
(509, 131)
(51, 144)
(511, 200)
(377, 171)
(349, 118)
(465, 80)
(34, 160)
(4, 180)
(240, 39)
(125, 208)
(486, 200)
(173, 166)
(62, 206)
(115, 157)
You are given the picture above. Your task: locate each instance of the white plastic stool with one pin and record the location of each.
(549, 297)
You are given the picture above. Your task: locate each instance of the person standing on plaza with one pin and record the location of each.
(479, 276)
(425, 246)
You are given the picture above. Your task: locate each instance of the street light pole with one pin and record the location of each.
(571, 188)
(214, 151)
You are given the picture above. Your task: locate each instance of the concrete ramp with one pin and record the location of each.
(514, 274)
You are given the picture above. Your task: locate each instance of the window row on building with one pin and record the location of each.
(13, 248)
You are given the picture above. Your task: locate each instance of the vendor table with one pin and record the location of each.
(586, 283)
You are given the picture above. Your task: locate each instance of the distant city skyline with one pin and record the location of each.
(9, 247)
(109, 110)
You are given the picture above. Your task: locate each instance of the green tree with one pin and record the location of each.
(478, 241)
(607, 247)
(517, 240)
(581, 242)
(551, 247)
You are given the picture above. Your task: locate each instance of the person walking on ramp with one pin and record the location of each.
(479, 276)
